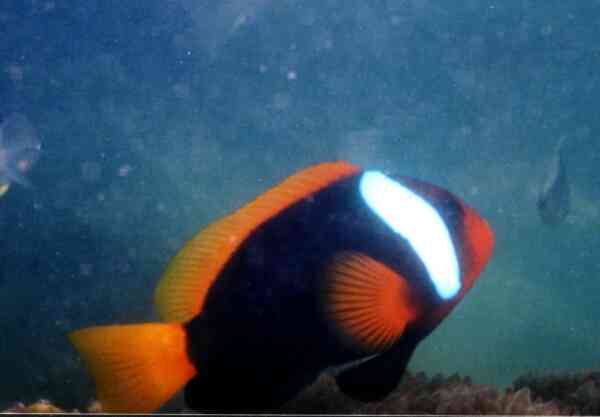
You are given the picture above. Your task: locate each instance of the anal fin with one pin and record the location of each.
(375, 378)
(228, 390)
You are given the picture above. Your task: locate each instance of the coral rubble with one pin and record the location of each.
(46, 407)
(531, 394)
(421, 395)
(575, 391)
(41, 406)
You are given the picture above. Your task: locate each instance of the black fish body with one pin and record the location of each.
(314, 273)
(275, 279)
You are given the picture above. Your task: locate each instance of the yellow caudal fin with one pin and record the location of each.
(137, 368)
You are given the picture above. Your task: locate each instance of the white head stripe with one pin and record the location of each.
(409, 215)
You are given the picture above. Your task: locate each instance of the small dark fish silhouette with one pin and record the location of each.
(554, 201)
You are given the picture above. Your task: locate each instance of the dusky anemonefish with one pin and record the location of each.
(332, 265)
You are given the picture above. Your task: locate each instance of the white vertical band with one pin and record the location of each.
(409, 215)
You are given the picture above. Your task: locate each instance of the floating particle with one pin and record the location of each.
(182, 90)
(91, 171)
(15, 72)
(124, 170)
(86, 269)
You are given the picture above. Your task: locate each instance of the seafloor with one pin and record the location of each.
(576, 393)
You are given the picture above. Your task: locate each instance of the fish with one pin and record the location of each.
(335, 265)
(20, 149)
(554, 201)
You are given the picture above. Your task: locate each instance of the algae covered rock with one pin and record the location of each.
(532, 394)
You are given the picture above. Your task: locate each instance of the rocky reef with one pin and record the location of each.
(576, 393)
(418, 394)
(46, 407)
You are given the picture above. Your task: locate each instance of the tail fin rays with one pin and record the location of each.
(137, 368)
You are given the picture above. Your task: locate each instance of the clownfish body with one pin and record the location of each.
(333, 265)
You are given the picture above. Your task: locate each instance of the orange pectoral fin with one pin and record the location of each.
(368, 302)
(137, 368)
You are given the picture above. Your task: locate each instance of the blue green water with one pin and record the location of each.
(156, 117)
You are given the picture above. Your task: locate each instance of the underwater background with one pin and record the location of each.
(158, 116)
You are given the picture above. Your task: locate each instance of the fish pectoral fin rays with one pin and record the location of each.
(371, 305)
(367, 302)
(375, 378)
(137, 368)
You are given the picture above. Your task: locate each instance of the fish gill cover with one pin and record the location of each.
(158, 117)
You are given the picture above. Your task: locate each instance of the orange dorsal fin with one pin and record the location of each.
(367, 301)
(137, 368)
(181, 292)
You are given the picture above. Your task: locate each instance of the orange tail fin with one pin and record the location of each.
(137, 368)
